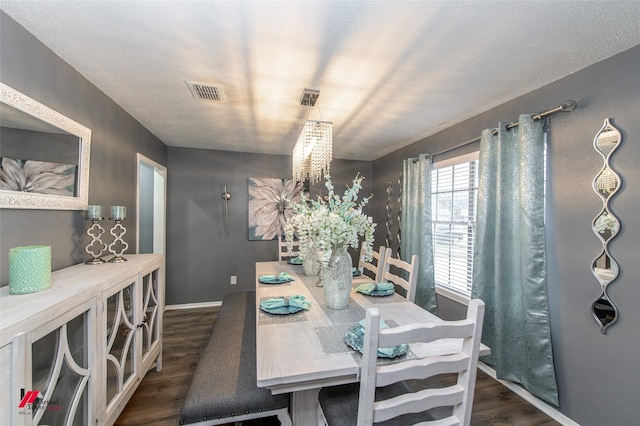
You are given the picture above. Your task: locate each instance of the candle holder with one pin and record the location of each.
(118, 214)
(96, 247)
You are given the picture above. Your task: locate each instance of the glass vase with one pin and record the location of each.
(336, 278)
(311, 263)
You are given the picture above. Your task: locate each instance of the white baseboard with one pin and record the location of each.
(538, 403)
(193, 306)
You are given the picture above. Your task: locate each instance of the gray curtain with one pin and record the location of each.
(510, 260)
(416, 226)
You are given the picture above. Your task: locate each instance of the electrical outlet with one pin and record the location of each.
(234, 280)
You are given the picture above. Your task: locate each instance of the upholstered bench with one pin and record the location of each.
(223, 388)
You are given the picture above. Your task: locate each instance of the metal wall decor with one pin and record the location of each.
(399, 235)
(606, 226)
(389, 222)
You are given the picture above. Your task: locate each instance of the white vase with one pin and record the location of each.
(311, 263)
(336, 278)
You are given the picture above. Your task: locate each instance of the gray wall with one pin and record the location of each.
(200, 260)
(598, 375)
(31, 68)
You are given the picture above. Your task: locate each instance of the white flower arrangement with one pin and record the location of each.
(332, 222)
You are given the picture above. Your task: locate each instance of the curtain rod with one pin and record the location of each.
(566, 106)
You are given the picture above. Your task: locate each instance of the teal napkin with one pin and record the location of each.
(275, 278)
(385, 352)
(278, 302)
(295, 261)
(367, 288)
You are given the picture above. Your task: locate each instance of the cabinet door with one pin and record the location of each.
(151, 321)
(52, 378)
(120, 319)
(6, 389)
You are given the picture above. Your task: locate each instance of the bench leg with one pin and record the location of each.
(304, 407)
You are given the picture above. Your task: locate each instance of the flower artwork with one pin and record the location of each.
(270, 206)
(40, 177)
(332, 221)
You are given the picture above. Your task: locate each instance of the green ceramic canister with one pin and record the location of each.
(29, 269)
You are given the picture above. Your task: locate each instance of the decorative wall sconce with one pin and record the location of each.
(96, 247)
(226, 196)
(118, 246)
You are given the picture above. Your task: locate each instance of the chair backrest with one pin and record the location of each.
(376, 265)
(283, 254)
(408, 284)
(463, 363)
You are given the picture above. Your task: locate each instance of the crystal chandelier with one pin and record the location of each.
(313, 151)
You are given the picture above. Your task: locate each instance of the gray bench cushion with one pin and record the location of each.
(224, 383)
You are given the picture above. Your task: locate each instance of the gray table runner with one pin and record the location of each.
(332, 337)
(349, 315)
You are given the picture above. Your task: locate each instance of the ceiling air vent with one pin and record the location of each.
(205, 92)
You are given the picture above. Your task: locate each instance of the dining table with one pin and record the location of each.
(302, 352)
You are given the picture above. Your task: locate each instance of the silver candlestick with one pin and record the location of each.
(96, 247)
(118, 214)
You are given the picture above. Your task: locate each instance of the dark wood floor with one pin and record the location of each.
(158, 399)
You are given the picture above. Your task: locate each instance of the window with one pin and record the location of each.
(454, 191)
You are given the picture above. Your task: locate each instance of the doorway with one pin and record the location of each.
(151, 199)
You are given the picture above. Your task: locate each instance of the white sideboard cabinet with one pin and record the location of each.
(75, 353)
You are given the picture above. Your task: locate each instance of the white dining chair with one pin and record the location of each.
(396, 275)
(283, 253)
(371, 270)
(383, 397)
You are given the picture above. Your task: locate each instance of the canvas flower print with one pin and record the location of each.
(270, 206)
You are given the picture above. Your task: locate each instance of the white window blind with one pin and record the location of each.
(454, 191)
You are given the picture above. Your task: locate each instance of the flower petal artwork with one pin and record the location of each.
(270, 206)
(40, 177)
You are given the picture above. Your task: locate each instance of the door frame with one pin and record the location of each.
(159, 208)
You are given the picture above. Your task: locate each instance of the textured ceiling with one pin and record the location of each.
(389, 73)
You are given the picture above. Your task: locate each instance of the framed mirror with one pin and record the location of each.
(44, 156)
(606, 225)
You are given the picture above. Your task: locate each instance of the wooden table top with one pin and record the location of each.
(306, 350)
